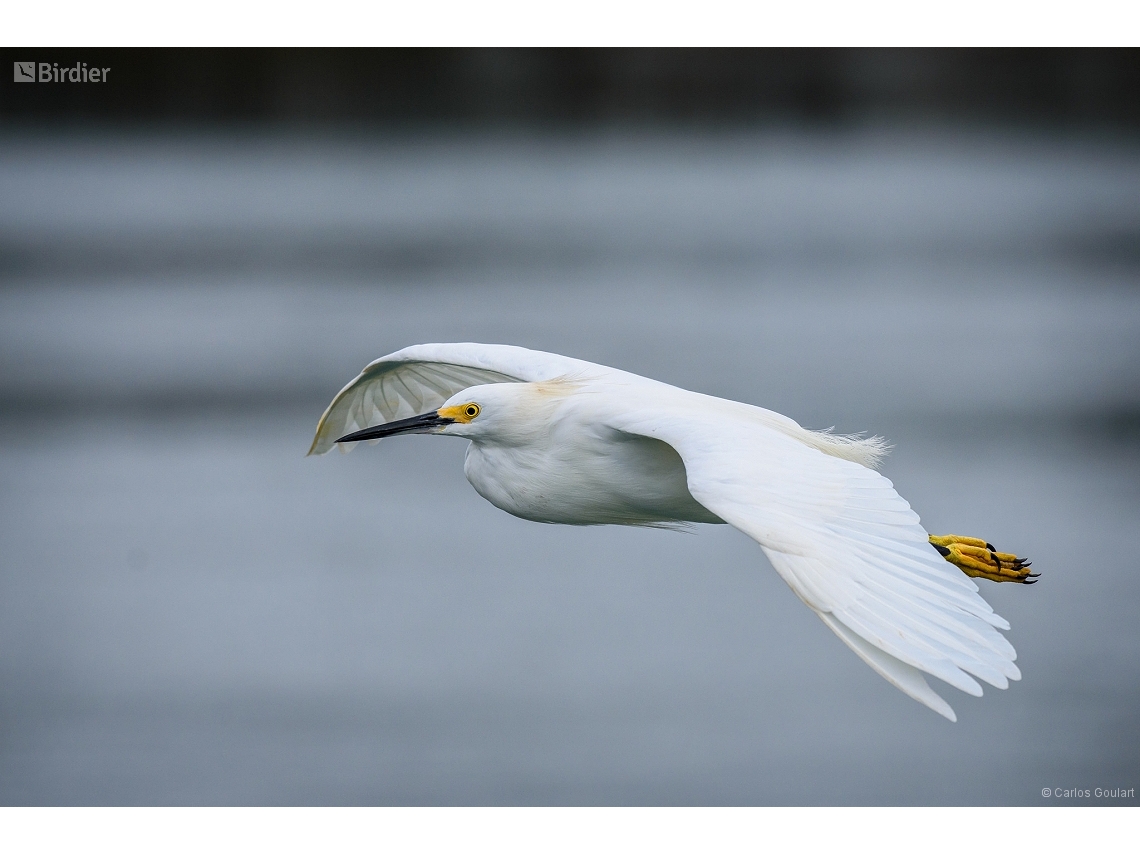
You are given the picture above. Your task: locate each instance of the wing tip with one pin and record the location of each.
(906, 678)
(318, 446)
(942, 708)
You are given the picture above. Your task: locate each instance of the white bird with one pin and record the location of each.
(559, 440)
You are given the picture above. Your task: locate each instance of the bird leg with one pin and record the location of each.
(975, 557)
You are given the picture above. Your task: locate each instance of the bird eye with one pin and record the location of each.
(471, 410)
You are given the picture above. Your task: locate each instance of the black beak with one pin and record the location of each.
(416, 424)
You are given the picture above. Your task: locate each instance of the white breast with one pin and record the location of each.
(588, 477)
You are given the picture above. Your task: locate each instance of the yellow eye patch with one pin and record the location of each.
(463, 413)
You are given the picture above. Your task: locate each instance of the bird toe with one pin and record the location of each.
(979, 559)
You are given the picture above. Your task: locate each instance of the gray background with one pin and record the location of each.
(192, 612)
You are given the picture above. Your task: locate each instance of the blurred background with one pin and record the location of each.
(942, 247)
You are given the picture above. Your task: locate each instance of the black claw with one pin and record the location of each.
(1032, 575)
(1029, 582)
(942, 550)
(990, 547)
(1026, 563)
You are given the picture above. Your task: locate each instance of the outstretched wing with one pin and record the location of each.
(845, 542)
(419, 379)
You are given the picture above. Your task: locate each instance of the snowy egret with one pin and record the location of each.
(559, 440)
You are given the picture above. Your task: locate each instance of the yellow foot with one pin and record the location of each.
(977, 558)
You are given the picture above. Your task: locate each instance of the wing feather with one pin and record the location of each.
(900, 675)
(418, 379)
(845, 542)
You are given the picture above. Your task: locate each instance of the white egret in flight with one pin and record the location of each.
(559, 440)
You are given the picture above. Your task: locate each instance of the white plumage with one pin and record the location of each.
(565, 441)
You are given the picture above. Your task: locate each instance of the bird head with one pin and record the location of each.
(492, 411)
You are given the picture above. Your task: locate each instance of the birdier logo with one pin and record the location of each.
(50, 72)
